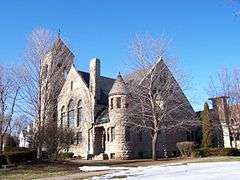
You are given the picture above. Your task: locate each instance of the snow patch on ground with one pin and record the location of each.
(188, 171)
(100, 168)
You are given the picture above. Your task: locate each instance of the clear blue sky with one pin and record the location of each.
(204, 34)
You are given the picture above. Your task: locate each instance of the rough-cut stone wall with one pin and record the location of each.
(56, 64)
(136, 148)
(93, 135)
(117, 119)
(79, 92)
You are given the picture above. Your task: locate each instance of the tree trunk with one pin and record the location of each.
(1, 144)
(235, 140)
(39, 153)
(154, 144)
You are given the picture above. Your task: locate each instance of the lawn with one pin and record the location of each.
(70, 168)
(40, 170)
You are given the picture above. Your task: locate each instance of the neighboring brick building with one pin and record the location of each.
(95, 107)
(225, 120)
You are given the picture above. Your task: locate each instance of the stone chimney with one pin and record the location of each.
(94, 84)
(220, 106)
(221, 115)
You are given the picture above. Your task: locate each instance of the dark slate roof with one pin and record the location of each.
(103, 117)
(119, 86)
(105, 86)
(85, 76)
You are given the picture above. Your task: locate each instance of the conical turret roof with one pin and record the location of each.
(119, 87)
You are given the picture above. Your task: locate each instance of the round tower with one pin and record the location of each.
(118, 94)
(117, 115)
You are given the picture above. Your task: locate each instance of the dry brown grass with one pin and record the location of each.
(40, 170)
(70, 168)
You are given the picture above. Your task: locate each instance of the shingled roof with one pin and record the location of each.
(119, 87)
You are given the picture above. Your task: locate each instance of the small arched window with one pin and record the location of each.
(79, 113)
(71, 114)
(62, 116)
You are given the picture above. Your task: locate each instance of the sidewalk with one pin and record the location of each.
(81, 175)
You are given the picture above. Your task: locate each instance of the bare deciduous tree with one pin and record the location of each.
(42, 76)
(156, 101)
(64, 138)
(19, 123)
(9, 92)
(227, 84)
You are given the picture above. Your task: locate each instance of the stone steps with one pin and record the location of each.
(101, 156)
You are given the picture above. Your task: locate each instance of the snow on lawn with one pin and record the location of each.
(189, 171)
(100, 168)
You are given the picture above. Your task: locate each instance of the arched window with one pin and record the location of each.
(71, 115)
(79, 113)
(62, 116)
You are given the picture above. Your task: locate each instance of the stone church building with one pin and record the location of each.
(96, 108)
